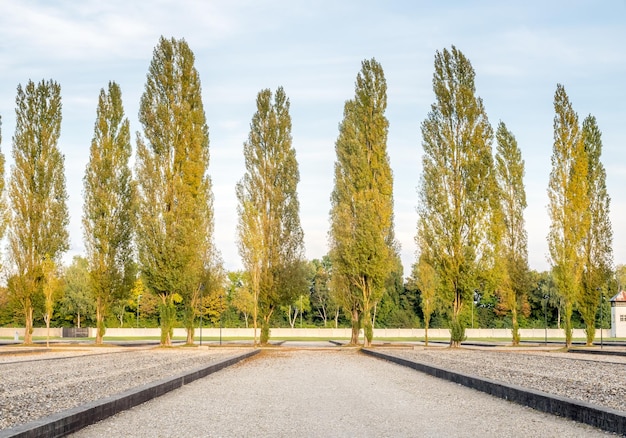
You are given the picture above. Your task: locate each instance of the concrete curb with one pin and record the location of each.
(72, 420)
(598, 352)
(607, 419)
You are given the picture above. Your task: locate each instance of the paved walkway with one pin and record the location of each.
(325, 393)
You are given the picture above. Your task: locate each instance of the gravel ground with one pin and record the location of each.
(340, 393)
(600, 380)
(35, 385)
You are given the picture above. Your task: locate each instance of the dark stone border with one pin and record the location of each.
(74, 419)
(607, 419)
(600, 352)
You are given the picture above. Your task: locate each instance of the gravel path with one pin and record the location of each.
(35, 385)
(341, 393)
(600, 380)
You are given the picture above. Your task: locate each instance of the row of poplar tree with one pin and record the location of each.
(157, 222)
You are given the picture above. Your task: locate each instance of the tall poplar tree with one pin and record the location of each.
(362, 244)
(4, 213)
(37, 194)
(175, 205)
(512, 243)
(457, 185)
(598, 239)
(108, 210)
(270, 237)
(568, 207)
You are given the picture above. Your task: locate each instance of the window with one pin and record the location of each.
(622, 318)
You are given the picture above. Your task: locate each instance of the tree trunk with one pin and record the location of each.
(368, 332)
(265, 329)
(568, 324)
(356, 327)
(78, 319)
(292, 322)
(100, 329)
(255, 317)
(190, 332)
(457, 331)
(590, 332)
(28, 322)
(515, 329)
(322, 313)
(47, 330)
(168, 317)
(425, 333)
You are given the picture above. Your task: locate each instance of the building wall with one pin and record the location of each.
(618, 319)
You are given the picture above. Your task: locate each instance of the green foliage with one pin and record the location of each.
(175, 214)
(457, 332)
(270, 237)
(361, 235)
(78, 300)
(265, 332)
(511, 267)
(4, 212)
(167, 314)
(240, 294)
(322, 301)
(569, 205)
(457, 185)
(37, 194)
(108, 211)
(425, 279)
(598, 239)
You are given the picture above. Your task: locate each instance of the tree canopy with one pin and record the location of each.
(362, 243)
(457, 185)
(175, 215)
(39, 215)
(109, 206)
(270, 237)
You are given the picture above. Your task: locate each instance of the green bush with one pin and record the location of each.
(457, 332)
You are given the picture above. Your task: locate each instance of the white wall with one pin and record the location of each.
(328, 333)
(618, 328)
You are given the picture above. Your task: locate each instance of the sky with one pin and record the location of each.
(520, 51)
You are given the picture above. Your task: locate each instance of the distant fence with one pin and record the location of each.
(75, 332)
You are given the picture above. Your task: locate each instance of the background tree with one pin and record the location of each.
(512, 242)
(175, 214)
(455, 210)
(52, 287)
(78, 301)
(269, 233)
(396, 307)
(321, 298)
(426, 280)
(239, 292)
(296, 308)
(212, 298)
(568, 207)
(37, 193)
(598, 239)
(620, 277)
(108, 210)
(4, 213)
(362, 248)
(144, 304)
